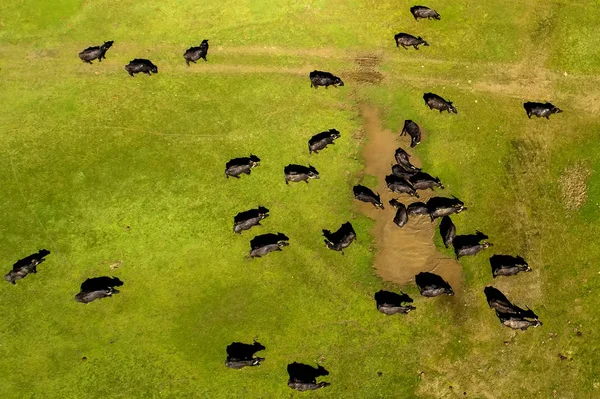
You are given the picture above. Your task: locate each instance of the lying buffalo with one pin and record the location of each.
(418, 209)
(141, 65)
(340, 239)
(506, 265)
(412, 129)
(97, 288)
(404, 40)
(541, 109)
(298, 173)
(431, 285)
(319, 141)
(365, 194)
(240, 355)
(193, 54)
(442, 206)
(95, 53)
(320, 78)
(304, 377)
(237, 166)
(245, 220)
(423, 181)
(403, 159)
(401, 217)
(266, 243)
(23, 267)
(400, 186)
(517, 322)
(390, 303)
(447, 230)
(465, 245)
(434, 101)
(424, 12)
(499, 302)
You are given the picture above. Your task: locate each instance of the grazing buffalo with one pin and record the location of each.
(304, 377)
(400, 186)
(320, 78)
(541, 109)
(403, 159)
(340, 239)
(140, 65)
(402, 172)
(401, 217)
(447, 230)
(263, 244)
(431, 285)
(390, 303)
(465, 245)
(412, 129)
(237, 166)
(322, 140)
(433, 101)
(96, 52)
(499, 302)
(193, 54)
(517, 322)
(404, 40)
(97, 288)
(23, 267)
(471, 249)
(245, 220)
(424, 12)
(442, 206)
(418, 209)
(506, 265)
(365, 194)
(298, 173)
(423, 181)
(240, 355)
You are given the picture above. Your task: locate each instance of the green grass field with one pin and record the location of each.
(87, 151)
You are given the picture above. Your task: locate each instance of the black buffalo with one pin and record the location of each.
(237, 166)
(245, 220)
(322, 140)
(304, 377)
(23, 267)
(499, 302)
(506, 265)
(365, 194)
(442, 206)
(140, 65)
(390, 303)
(193, 54)
(97, 288)
(240, 355)
(423, 181)
(431, 285)
(412, 129)
(264, 244)
(402, 171)
(401, 217)
(96, 52)
(433, 101)
(517, 322)
(424, 12)
(541, 109)
(320, 78)
(447, 231)
(298, 173)
(400, 186)
(340, 239)
(418, 209)
(404, 40)
(403, 159)
(470, 244)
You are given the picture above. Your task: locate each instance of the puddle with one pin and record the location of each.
(401, 252)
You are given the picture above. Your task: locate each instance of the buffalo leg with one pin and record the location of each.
(415, 46)
(148, 73)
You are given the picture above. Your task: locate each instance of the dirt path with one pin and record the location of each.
(401, 252)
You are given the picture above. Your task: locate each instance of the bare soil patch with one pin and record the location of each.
(401, 252)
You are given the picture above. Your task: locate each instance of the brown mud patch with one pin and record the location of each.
(401, 252)
(366, 70)
(573, 186)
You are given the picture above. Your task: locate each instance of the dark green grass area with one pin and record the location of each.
(99, 167)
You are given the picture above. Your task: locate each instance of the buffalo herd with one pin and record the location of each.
(405, 179)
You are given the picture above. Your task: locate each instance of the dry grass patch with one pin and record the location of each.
(573, 186)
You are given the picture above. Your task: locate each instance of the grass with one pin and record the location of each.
(88, 151)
